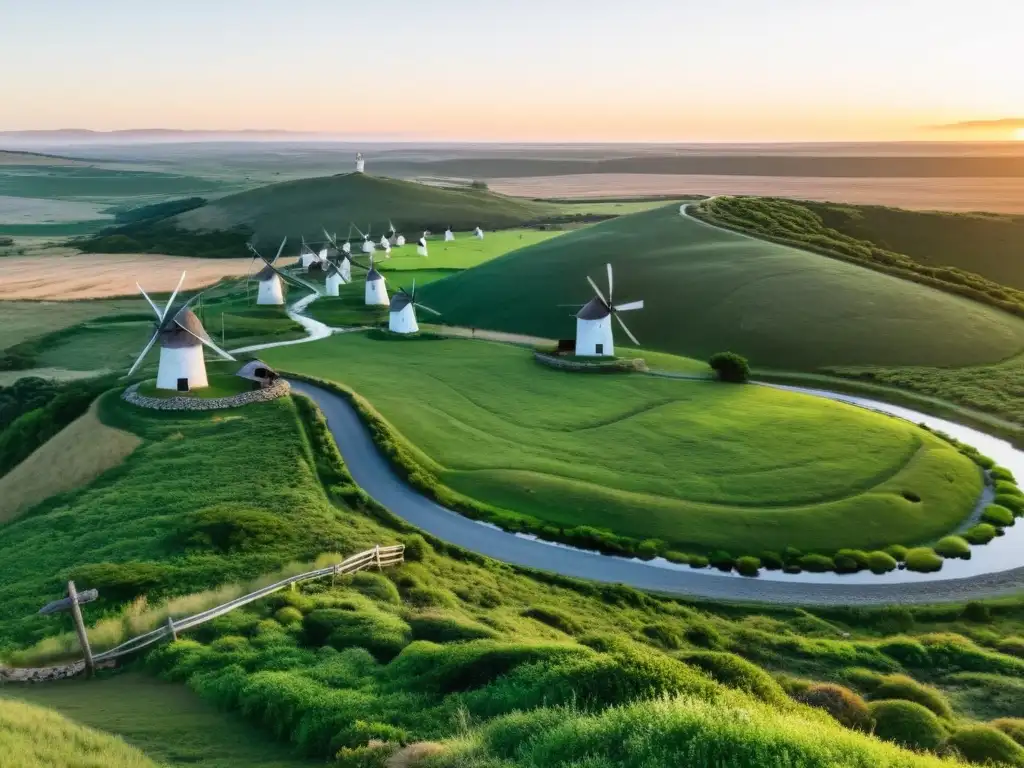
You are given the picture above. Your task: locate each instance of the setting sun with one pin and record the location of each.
(1019, 134)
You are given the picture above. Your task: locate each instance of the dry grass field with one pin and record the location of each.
(73, 458)
(999, 195)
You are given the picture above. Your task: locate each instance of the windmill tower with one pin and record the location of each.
(397, 240)
(402, 312)
(360, 163)
(182, 338)
(594, 321)
(376, 294)
(449, 236)
(421, 245)
(478, 233)
(340, 273)
(271, 290)
(368, 246)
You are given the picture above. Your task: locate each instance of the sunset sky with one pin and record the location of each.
(528, 70)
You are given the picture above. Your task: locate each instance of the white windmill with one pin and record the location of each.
(402, 313)
(397, 240)
(376, 294)
(594, 321)
(337, 274)
(306, 256)
(347, 246)
(271, 291)
(449, 236)
(368, 245)
(478, 233)
(182, 338)
(360, 163)
(421, 245)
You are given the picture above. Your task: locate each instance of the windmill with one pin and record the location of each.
(402, 313)
(449, 236)
(360, 163)
(270, 278)
(368, 246)
(306, 255)
(397, 240)
(347, 247)
(478, 233)
(182, 338)
(594, 321)
(337, 274)
(376, 294)
(421, 245)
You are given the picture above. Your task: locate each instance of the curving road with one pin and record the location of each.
(373, 473)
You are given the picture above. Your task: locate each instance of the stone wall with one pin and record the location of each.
(278, 389)
(46, 674)
(602, 366)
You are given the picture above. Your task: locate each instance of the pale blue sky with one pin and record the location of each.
(530, 69)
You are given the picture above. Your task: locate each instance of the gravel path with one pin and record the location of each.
(373, 473)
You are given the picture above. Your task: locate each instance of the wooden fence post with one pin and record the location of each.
(83, 638)
(376, 554)
(170, 629)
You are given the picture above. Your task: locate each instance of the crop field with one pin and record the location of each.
(22, 320)
(700, 465)
(708, 291)
(66, 182)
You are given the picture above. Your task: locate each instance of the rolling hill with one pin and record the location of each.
(708, 290)
(305, 206)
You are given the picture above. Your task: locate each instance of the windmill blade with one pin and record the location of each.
(628, 332)
(206, 341)
(280, 250)
(333, 241)
(357, 230)
(145, 351)
(424, 306)
(174, 295)
(597, 291)
(296, 280)
(630, 306)
(146, 295)
(611, 289)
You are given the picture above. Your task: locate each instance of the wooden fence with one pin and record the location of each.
(378, 557)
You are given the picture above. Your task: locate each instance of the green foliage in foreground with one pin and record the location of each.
(729, 366)
(706, 290)
(33, 737)
(713, 466)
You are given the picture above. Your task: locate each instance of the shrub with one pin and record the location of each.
(1013, 646)
(841, 703)
(1001, 473)
(772, 561)
(698, 561)
(881, 562)
(416, 548)
(923, 560)
(376, 587)
(663, 635)
(1013, 503)
(997, 515)
(736, 672)
(986, 745)
(703, 635)
(817, 563)
(429, 597)
(381, 634)
(859, 558)
(977, 612)
(729, 366)
(897, 552)
(907, 688)
(121, 582)
(721, 560)
(234, 527)
(287, 616)
(908, 724)
(1008, 488)
(953, 546)
(982, 533)
(445, 628)
(1012, 727)
(554, 618)
(748, 566)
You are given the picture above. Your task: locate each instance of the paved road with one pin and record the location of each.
(373, 473)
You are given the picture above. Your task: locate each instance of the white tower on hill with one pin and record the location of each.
(360, 163)
(376, 294)
(449, 235)
(402, 313)
(594, 322)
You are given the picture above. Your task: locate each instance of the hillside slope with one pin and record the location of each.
(707, 290)
(305, 206)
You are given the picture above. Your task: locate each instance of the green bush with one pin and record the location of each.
(664, 635)
(445, 628)
(817, 563)
(923, 560)
(721, 560)
(881, 562)
(897, 552)
(997, 515)
(986, 745)
(977, 612)
(736, 672)
(376, 586)
(1013, 646)
(841, 703)
(982, 533)
(416, 548)
(907, 688)
(854, 559)
(381, 634)
(703, 635)
(554, 618)
(1012, 727)
(772, 561)
(907, 724)
(1002, 473)
(953, 546)
(1008, 488)
(698, 561)
(121, 582)
(1013, 503)
(729, 366)
(429, 597)
(287, 616)
(235, 527)
(748, 566)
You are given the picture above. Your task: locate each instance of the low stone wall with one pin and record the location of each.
(47, 674)
(605, 366)
(279, 389)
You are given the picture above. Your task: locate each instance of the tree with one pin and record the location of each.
(730, 367)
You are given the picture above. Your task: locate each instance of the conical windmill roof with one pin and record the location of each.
(267, 273)
(595, 309)
(181, 329)
(373, 275)
(400, 301)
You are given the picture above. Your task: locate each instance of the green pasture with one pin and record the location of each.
(219, 385)
(24, 320)
(62, 182)
(700, 465)
(707, 290)
(464, 253)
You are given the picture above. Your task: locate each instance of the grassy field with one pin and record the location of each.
(23, 320)
(304, 207)
(707, 291)
(466, 252)
(711, 466)
(220, 385)
(64, 182)
(166, 722)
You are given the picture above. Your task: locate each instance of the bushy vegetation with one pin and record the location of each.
(923, 559)
(729, 366)
(156, 211)
(986, 746)
(165, 237)
(953, 546)
(908, 724)
(907, 689)
(841, 703)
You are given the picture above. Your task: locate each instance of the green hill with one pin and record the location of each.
(708, 290)
(305, 206)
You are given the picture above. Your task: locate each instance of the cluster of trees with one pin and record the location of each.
(161, 236)
(158, 211)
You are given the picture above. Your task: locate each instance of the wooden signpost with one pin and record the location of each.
(73, 602)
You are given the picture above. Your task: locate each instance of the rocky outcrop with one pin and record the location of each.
(279, 389)
(47, 674)
(616, 365)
